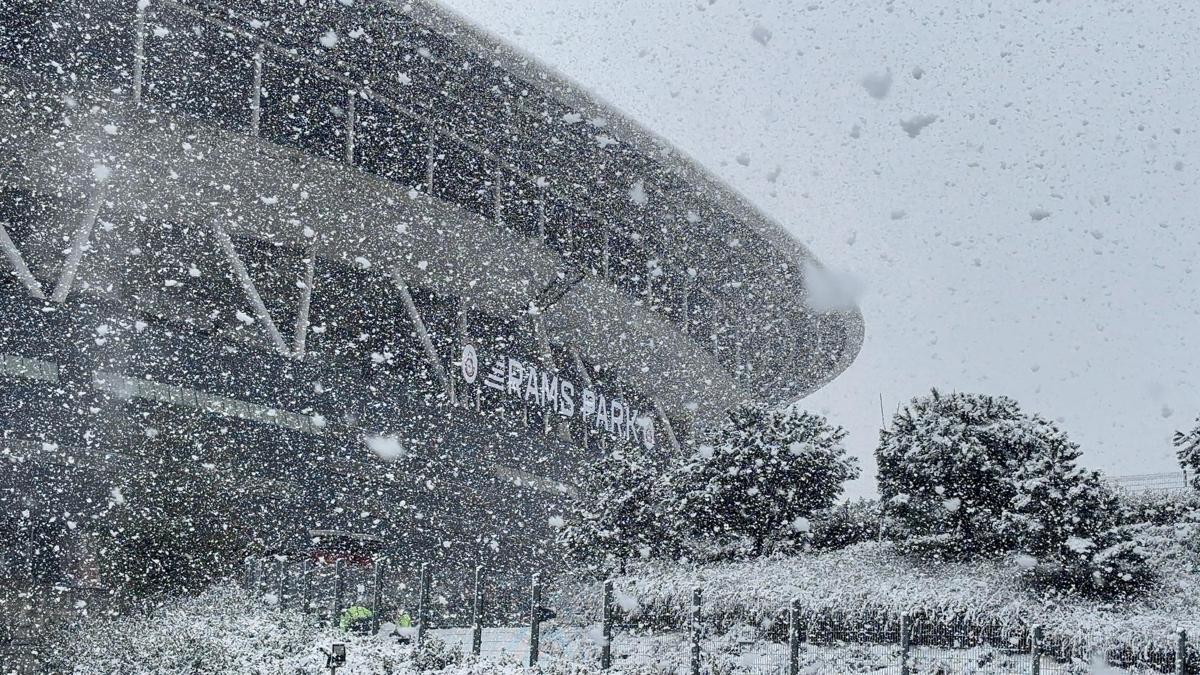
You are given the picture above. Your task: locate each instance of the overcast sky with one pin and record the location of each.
(1040, 238)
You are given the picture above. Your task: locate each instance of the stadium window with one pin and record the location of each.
(68, 39)
(194, 67)
(463, 177)
(519, 207)
(303, 109)
(391, 145)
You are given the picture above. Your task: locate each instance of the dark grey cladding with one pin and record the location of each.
(248, 235)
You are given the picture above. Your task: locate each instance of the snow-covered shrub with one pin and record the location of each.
(223, 630)
(1109, 566)
(618, 513)
(767, 473)
(1159, 508)
(179, 531)
(850, 523)
(434, 655)
(1189, 451)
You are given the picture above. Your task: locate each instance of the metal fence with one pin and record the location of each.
(500, 617)
(1171, 482)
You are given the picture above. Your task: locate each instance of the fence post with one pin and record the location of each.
(423, 604)
(249, 578)
(376, 595)
(905, 638)
(1035, 651)
(339, 589)
(258, 577)
(477, 613)
(794, 638)
(696, 596)
(305, 587)
(606, 621)
(281, 568)
(535, 618)
(1181, 666)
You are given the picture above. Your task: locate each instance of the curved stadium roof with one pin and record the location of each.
(658, 270)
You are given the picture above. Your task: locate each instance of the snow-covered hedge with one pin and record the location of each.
(870, 579)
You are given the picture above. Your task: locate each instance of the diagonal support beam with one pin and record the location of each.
(20, 269)
(666, 421)
(300, 336)
(579, 367)
(431, 355)
(256, 303)
(83, 236)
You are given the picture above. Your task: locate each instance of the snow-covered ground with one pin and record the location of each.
(227, 631)
(869, 580)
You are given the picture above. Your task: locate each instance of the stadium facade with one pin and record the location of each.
(364, 264)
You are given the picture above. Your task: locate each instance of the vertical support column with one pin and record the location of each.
(606, 618)
(460, 393)
(497, 194)
(542, 217)
(339, 590)
(256, 93)
(139, 51)
(905, 639)
(1035, 651)
(477, 613)
(423, 604)
(300, 334)
(586, 378)
(794, 637)
(547, 359)
(535, 618)
(429, 163)
(351, 118)
(377, 594)
(1181, 653)
(696, 630)
(604, 257)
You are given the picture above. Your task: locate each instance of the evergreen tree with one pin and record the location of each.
(1189, 451)
(973, 475)
(617, 513)
(768, 472)
(946, 469)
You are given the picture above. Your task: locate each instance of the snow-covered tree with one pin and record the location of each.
(617, 513)
(967, 474)
(1189, 451)
(766, 474)
(1065, 521)
(947, 467)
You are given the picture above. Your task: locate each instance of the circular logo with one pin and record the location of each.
(470, 364)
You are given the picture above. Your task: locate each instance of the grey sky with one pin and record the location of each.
(1087, 111)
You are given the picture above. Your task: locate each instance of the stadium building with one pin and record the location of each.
(365, 266)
